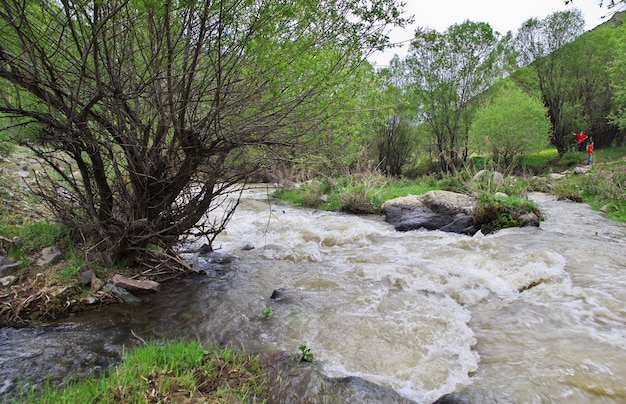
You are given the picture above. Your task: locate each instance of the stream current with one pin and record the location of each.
(525, 315)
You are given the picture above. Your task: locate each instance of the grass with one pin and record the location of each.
(26, 239)
(178, 371)
(361, 194)
(603, 187)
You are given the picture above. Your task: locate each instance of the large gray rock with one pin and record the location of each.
(432, 211)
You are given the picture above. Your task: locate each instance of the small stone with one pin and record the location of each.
(96, 284)
(85, 278)
(8, 280)
(134, 285)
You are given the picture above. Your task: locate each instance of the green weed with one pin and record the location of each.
(177, 371)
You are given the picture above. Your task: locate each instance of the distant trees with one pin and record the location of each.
(394, 128)
(540, 42)
(509, 125)
(446, 71)
(617, 72)
(147, 113)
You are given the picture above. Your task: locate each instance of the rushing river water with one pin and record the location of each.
(525, 315)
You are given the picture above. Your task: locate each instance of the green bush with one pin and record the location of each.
(503, 212)
(572, 157)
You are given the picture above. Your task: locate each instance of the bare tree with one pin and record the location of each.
(149, 113)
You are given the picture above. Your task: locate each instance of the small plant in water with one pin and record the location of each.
(307, 355)
(267, 313)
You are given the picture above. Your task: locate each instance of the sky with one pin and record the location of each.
(501, 15)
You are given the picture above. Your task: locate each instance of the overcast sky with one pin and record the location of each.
(502, 16)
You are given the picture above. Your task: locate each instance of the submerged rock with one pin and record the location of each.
(300, 382)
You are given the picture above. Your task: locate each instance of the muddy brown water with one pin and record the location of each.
(523, 315)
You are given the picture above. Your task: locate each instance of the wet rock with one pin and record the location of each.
(285, 295)
(460, 226)
(50, 256)
(452, 398)
(447, 202)
(530, 219)
(431, 211)
(134, 285)
(300, 382)
(125, 295)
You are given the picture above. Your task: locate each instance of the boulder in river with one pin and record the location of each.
(435, 210)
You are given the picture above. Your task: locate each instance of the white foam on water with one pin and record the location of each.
(423, 311)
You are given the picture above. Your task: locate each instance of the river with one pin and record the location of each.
(525, 315)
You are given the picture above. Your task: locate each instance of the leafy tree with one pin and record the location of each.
(148, 113)
(617, 71)
(592, 56)
(540, 43)
(392, 120)
(509, 125)
(447, 70)
(394, 144)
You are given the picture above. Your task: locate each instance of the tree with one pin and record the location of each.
(540, 43)
(593, 55)
(447, 70)
(617, 70)
(392, 120)
(509, 125)
(148, 113)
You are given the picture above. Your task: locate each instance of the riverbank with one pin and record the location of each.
(389, 276)
(35, 293)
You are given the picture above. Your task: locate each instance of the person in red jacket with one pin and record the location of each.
(580, 138)
(589, 153)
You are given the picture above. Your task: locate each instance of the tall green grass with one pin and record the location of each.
(178, 371)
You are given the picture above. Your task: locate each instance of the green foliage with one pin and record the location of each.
(604, 186)
(166, 372)
(74, 263)
(572, 157)
(572, 74)
(539, 159)
(31, 237)
(362, 193)
(267, 313)
(399, 187)
(449, 69)
(306, 354)
(6, 146)
(510, 125)
(237, 86)
(606, 189)
(503, 212)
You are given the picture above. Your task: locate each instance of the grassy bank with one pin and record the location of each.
(603, 186)
(174, 372)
